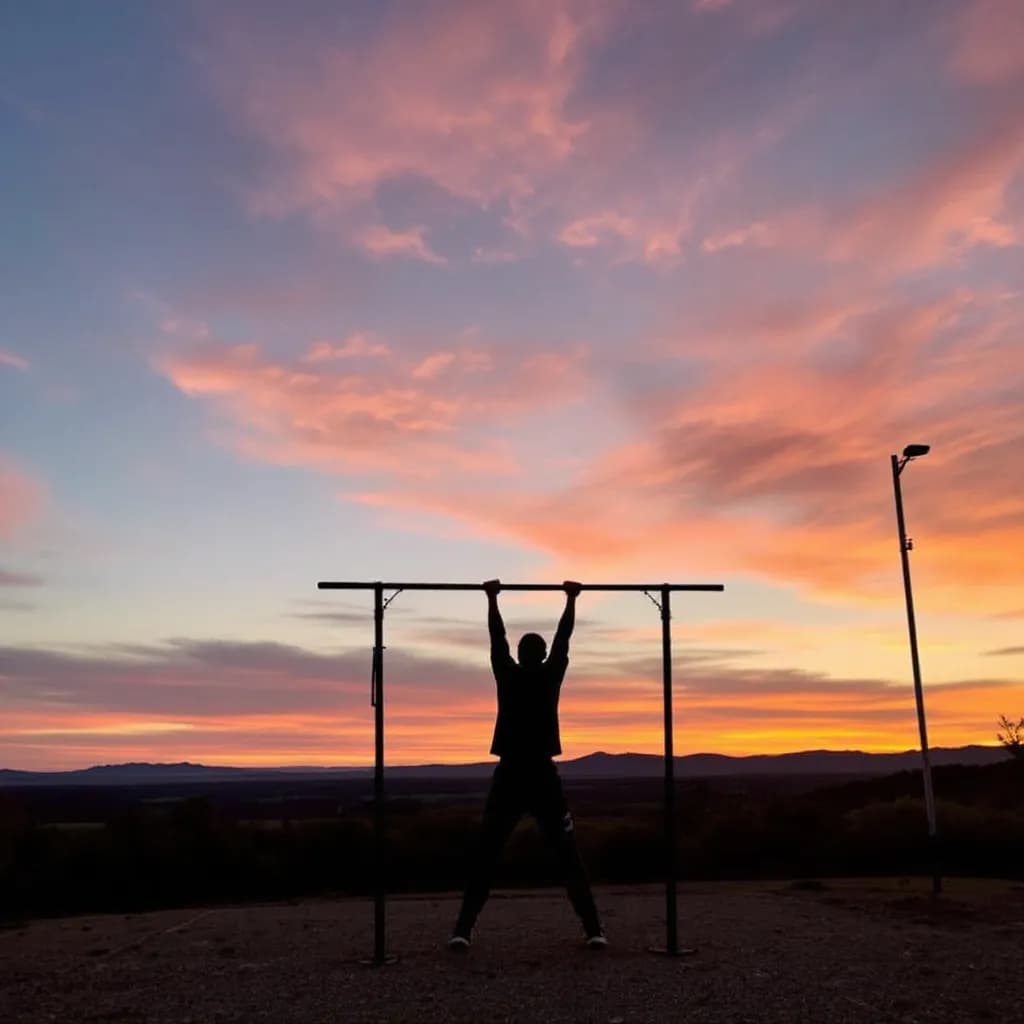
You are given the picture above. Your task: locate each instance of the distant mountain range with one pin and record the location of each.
(593, 766)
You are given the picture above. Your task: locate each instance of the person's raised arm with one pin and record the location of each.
(560, 645)
(500, 654)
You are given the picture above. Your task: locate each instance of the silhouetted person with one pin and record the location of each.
(526, 779)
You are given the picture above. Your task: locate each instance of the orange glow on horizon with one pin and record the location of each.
(879, 720)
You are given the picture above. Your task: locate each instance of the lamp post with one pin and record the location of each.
(914, 451)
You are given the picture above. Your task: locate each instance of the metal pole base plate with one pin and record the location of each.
(390, 959)
(662, 951)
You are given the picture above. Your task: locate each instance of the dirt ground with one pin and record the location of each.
(837, 952)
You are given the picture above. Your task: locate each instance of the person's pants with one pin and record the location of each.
(527, 788)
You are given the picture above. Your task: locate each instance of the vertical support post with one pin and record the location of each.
(377, 699)
(929, 794)
(671, 917)
(671, 947)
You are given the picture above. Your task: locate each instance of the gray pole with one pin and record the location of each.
(929, 795)
(377, 699)
(669, 797)
(671, 917)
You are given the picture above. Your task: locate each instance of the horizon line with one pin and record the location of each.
(489, 759)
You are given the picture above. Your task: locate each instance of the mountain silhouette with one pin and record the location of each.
(599, 765)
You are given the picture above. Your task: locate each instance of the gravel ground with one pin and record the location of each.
(847, 953)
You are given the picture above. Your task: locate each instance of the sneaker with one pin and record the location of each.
(597, 941)
(459, 943)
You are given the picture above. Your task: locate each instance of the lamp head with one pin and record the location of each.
(915, 451)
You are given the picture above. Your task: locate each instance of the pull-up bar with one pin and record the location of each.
(641, 587)
(664, 590)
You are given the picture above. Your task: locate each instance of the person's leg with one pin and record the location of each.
(549, 807)
(501, 812)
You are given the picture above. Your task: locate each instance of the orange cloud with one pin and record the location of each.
(771, 459)
(416, 417)
(776, 463)
(274, 704)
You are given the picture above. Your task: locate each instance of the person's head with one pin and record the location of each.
(533, 649)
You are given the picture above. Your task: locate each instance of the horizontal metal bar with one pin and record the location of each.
(362, 585)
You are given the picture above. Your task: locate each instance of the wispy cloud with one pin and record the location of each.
(955, 202)
(652, 242)
(494, 108)
(411, 416)
(12, 360)
(21, 498)
(243, 703)
(382, 242)
(10, 578)
(987, 41)
(354, 346)
(471, 98)
(960, 200)
(487, 254)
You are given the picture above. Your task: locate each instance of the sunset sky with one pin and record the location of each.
(609, 291)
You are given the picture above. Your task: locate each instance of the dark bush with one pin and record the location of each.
(171, 852)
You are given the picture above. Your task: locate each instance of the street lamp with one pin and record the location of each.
(916, 451)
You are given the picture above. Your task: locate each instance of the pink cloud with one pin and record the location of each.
(758, 17)
(757, 233)
(586, 232)
(989, 41)
(434, 364)
(21, 499)
(949, 205)
(494, 106)
(354, 346)
(15, 361)
(381, 242)
(952, 205)
(486, 254)
(470, 97)
(489, 105)
(652, 242)
(10, 578)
